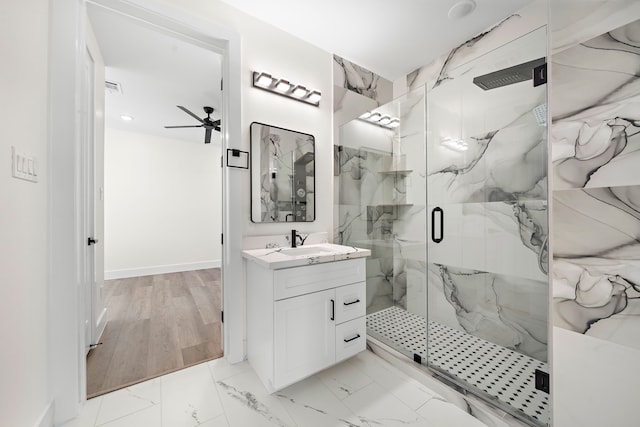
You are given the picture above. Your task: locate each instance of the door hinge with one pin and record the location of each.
(222, 316)
(221, 84)
(221, 161)
(221, 239)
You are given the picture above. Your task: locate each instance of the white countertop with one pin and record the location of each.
(276, 258)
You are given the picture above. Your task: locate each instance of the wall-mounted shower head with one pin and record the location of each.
(508, 76)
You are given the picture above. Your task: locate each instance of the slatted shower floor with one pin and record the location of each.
(502, 373)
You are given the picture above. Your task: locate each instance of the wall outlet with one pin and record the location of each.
(23, 166)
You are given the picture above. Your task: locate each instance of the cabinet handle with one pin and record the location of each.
(351, 339)
(352, 302)
(333, 310)
(437, 238)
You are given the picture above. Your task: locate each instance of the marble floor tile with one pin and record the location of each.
(343, 380)
(128, 400)
(189, 397)
(311, 404)
(220, 421)
(409, 391)
(374, 407)
(444, 414)
(221, 369)
(247, 403)
(148, 417)
(365, 391)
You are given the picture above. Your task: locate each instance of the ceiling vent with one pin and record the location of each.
(112, 87)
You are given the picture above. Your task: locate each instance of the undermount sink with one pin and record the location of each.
(304, 251)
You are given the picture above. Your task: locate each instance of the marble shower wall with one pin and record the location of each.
(488, 276)
(381, 200)
(595, 139)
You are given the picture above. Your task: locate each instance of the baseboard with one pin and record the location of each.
(160, 269)
(46, 419)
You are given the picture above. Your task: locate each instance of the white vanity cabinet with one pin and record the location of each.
(301, 320)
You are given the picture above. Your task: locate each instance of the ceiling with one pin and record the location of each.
(158, 71)
(389, 38)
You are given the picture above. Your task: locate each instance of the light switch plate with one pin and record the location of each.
(23, 166)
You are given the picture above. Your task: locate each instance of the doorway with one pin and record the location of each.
(162, 203)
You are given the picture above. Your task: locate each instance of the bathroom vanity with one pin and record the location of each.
(305, 310)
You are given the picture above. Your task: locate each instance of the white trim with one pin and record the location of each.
(66, 340)
(160, 269)
(46, 419)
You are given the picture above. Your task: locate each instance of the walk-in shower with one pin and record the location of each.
(453, 205)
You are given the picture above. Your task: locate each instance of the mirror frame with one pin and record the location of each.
(255, 153)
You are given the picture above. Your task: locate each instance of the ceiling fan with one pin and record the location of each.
(206, 122)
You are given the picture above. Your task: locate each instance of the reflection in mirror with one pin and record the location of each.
(282, 175)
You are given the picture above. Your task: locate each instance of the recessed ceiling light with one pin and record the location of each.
(461, 9)
(126, 118)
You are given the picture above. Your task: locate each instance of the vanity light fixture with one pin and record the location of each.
(262, 80)
(266, 81)
(455, 144)
(300, 91)
(374, 117)
(377, 118)
(283, 86)
(384, 121)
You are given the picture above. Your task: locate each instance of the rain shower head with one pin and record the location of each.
(507, 76)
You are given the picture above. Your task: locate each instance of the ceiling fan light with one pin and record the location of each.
(283, 86)
(300, 91)
(263, 80)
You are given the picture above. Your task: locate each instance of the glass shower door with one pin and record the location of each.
(381, 206)
(487, 228)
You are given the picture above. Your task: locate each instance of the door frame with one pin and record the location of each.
(67, 268)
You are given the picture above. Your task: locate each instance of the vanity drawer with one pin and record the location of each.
(291, 282)
(351, 338)
(351, 302)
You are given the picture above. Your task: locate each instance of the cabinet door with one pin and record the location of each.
(304, 336)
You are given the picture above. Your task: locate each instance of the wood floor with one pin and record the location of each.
(156, 324)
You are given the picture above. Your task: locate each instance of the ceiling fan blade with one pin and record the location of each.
(173, 127)
(207, 136)
(190, 113)
(216, 125)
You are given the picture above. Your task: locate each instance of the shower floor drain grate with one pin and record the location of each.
(504, 374)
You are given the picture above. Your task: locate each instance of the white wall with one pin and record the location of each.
(267, 48)
(24, 391)
(162, 204)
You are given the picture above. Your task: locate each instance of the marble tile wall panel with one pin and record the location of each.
(529, 18)
(595, 139)
(502, 237)
(361, 81)
(506, 310)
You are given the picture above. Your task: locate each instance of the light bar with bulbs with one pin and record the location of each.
(379, 119)
(455, 144)
(266, 81)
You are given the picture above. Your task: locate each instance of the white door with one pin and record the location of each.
(304, 336)
(93, 181)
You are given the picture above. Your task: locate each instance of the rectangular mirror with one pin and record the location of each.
(282, 175)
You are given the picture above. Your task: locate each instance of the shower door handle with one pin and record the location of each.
(438, 235)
